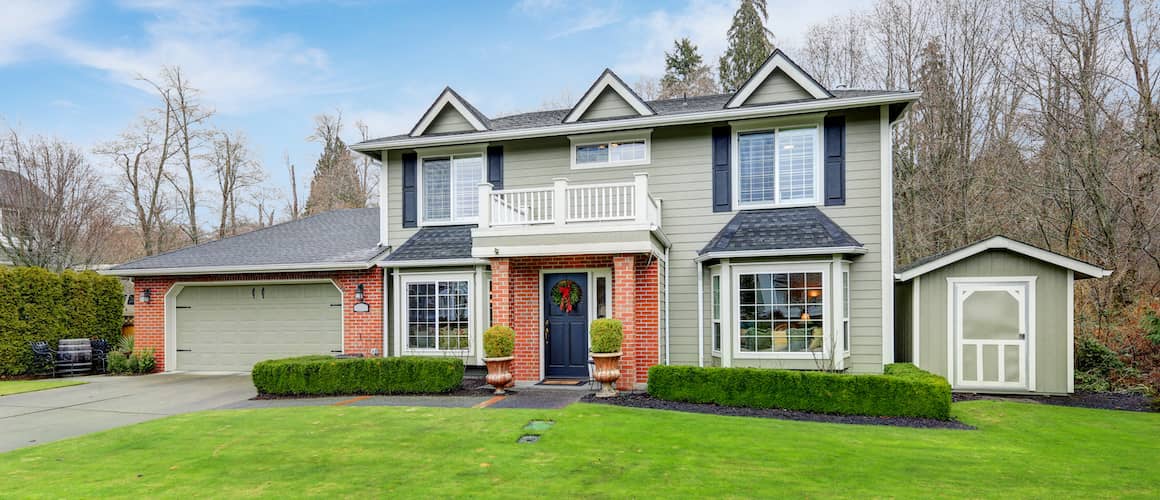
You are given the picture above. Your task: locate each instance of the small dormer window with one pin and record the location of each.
(610, 150)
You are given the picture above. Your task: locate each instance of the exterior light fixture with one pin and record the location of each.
(146, 295)
(359, 304)
(358, 293)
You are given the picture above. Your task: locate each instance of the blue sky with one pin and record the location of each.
(68, 67)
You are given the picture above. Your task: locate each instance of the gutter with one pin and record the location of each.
(264, 268)
(644, 121)
(740, 254)
(433, 263)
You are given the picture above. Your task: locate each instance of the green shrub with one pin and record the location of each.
(607, 335)
(326, 375)
(904, 390)
(118, 363)
(142, 362)
(1094, 357)
(499, 341)
(39, 305)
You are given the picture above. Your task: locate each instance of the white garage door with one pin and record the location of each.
(229, 328)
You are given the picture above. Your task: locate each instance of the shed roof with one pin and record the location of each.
(928, 264)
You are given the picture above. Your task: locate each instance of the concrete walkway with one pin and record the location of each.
(107, 402)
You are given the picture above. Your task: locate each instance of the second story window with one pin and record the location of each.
(780, 166)
(604, 150)
(451, 188)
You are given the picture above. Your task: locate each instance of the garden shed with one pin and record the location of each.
(993, 316)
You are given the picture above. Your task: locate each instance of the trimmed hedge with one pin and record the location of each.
(903, 391)
(329, 376)
(37, 304)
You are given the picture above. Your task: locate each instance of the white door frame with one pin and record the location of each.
(955, 298)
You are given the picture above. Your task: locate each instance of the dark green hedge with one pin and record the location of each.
(326, 375)
(904, 390)
(37, 304)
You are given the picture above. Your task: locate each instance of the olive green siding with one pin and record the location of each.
(778, 87)
(680, 176)
(1051, 308)
(608, 104)
(448, 120)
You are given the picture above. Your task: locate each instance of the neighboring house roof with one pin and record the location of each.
(438, 245)
(928, 264)
(342, 239)
(14, 187)
(780, 231)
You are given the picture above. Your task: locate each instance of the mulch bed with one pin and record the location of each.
(471, 386)
(643, 400)
(1126, 401)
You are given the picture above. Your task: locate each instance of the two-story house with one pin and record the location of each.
(743, 229)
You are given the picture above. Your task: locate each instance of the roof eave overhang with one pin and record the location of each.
(432, 263)
(1001, 243)
(783, 252)
(266, 268)
(829, 104)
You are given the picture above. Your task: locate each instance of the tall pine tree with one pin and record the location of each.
(335, 184)
(685, 72)
(749, 44)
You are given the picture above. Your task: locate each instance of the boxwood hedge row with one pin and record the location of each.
(37, 304)
(328, 376)
(904, 390)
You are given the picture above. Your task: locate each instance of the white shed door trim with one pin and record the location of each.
(991, 332)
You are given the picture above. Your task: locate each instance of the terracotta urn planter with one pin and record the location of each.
(607, 372)
(499, 372)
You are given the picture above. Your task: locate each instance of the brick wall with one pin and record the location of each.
(361, 331)
(516, 299)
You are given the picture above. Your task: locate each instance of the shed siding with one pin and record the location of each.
(608, 104)
(1050, 313)
(680, 175)
(778, 87)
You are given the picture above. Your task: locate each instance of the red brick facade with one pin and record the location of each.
(361, 331)
(516, 299)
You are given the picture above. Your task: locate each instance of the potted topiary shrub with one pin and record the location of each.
(499, 342)
(607, 335)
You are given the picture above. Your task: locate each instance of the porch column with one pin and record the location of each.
(501, 289)
(624, 309)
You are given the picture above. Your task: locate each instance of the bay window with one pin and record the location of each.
(715, 286)
(451, 188)
(437, 314)
(778, 166)
(845, 311)
(781, 309)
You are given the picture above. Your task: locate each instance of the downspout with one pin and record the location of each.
(668, 319)
(700, 313)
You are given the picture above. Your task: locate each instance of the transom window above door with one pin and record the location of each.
(779, 166)
(450, 193)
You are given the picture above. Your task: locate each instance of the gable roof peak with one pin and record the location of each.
(449, 97)
(608, 79)
(778, 60)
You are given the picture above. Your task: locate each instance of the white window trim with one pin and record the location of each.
(715, 273)
(752, 126)
(421, 200)
(847, 304)
(823, 267)
(404, 313)
(591, 139)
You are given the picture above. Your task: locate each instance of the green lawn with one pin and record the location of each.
(18, 386)
(1020, 450)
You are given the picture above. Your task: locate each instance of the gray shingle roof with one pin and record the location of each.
(931, 258)
(341, 236)
(435, 243)
(662, 107)
(779, 229)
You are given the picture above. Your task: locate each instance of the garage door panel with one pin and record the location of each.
(229, 328)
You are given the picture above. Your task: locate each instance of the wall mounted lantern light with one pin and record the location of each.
(359, 304)
(146, 295)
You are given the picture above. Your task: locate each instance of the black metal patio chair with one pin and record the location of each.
(100, 355)
(43, 358)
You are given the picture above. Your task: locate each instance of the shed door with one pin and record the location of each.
(229, 328)
(991, 325)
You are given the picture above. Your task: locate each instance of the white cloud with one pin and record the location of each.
(702, 21)
(570, 18)
(28, 23)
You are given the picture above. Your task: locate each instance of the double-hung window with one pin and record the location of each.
(845, 311)
(781, 310)
(715, 286)
(778, 166)
(438, 314)
(451, 188)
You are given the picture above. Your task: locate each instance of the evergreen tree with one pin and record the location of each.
(749, 44)
(335, 184)
(685, 72)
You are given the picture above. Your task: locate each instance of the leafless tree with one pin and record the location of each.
(235, 171)
(141, 154)
(368, 167)
(292, 206)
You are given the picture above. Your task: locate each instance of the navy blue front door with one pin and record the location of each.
(566, 331)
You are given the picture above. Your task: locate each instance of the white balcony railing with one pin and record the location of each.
(563, 203)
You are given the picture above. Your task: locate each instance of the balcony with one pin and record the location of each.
(564, 204)
(619, 217)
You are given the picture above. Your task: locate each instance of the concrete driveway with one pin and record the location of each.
(107, 402)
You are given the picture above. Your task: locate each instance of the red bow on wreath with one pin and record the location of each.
(566, 294)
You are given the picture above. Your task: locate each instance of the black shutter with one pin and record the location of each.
(495, 166)
(835, 160)
(410, 190)
(722, 185)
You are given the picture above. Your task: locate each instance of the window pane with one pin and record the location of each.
(756, 167)
(592, 153)
(601, 297)
(773, 319)
(796, 164)
(454, 311)
(716, 297)
(628, 151)
(437, 189)
(716, 336)
(421, 320)
(468, 174)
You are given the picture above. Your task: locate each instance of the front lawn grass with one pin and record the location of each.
(18, 386)
(1019, 450)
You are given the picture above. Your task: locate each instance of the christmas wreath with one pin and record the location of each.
(566, 294)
